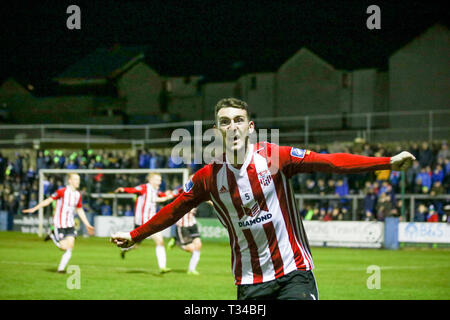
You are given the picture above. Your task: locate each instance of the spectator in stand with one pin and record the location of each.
(316, 214)
(415, 150)
(438, 174)
(436, 190)
(3, 165)
(11, 204)
(128, 211)
(394, 179)
(41, 162)
(345, 214)
(72, 165)
(421, 213)
(120, 210)
(432, 215)
(367, 151)
(425, 178)
(411, 174)
(369, 216)
(417, 187)
(397, 209)
(308, 212)
(342, 191)
(444, 152)
(370, 201)
(425, 155)
(323, 215)
(106, 209)
(384, 207)
(310, 187)
(336, 214)
(322, 190)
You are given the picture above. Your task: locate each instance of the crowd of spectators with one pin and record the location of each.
(429, 176)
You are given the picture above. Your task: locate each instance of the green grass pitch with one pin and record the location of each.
(28, 265)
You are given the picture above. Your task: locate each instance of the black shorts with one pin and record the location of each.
(62, 233)
(296, 285)
(185, 235)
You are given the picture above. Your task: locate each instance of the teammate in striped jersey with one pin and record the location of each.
(252, 195)
(68, 202)
(145, 208)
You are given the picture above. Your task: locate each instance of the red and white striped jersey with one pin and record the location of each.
(145, 207)
(188, 220)
(67, 200)
(256, 205)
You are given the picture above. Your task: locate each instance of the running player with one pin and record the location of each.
(68, 201)
(252, 195)
(187, 237)
(145, 209)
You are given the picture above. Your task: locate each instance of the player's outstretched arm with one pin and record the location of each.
(42, 204)
(402, 161)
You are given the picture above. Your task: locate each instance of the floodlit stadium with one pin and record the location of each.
(289, 153)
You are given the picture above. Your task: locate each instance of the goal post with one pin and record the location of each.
(45, 173)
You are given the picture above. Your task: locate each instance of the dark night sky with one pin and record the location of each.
(193, 37)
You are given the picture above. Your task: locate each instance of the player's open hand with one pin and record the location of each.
(119, 190)
(402, 161)
(122, 239)
(31, 210)
(90, 230)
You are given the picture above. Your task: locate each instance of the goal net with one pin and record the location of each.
(97, 189)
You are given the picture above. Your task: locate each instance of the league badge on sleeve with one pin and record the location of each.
(299, 153)
(188, 186)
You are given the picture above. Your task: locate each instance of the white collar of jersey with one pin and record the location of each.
(248, 157)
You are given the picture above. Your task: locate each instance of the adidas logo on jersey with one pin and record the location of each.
(223, 190)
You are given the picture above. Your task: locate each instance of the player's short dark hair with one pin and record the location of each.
(232, 103)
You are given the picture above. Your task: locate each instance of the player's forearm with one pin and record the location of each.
(165, 217)
(82, 216)
(163, 199)
(43, 204)
(345, 163)
(130, 190)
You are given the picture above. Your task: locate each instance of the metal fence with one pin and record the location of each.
(372, 127)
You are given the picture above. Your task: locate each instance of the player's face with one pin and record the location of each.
(235, 127)
(74, 181)
(155, 181)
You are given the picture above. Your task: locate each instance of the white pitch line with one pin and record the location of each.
(381, 267)
(26, 263)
